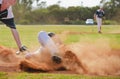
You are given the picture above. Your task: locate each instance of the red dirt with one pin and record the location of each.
(76, 59)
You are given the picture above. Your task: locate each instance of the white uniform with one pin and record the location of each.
(10, 13)
(46, 43)
(99, 14)
(99, 23)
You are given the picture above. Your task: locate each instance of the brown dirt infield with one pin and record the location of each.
(79, 58)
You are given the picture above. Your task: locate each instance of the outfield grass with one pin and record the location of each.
(28, 34)
(51, 76)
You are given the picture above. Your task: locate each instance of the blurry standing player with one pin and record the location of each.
(98, 16)
(7, 17)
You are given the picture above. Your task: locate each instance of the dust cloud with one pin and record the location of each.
(96, 58)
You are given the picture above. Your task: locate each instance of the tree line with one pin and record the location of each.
(55, 14)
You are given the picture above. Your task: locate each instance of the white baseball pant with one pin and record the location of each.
(99, 23)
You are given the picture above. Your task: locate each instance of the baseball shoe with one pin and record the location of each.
(56, 59)
(51, 34)
(99, 32)
(22, 49)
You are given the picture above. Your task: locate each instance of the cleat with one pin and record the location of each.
(22, 49)
(56, 59)
(51, 34)
(99, 32)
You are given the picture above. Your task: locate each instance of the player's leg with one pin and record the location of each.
(16, 37)
(10, 23)
(98, 25)
(47, 42)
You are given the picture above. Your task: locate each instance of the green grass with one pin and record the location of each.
(51, 76)
(78, 33)
(114, 39)
(28, 34)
